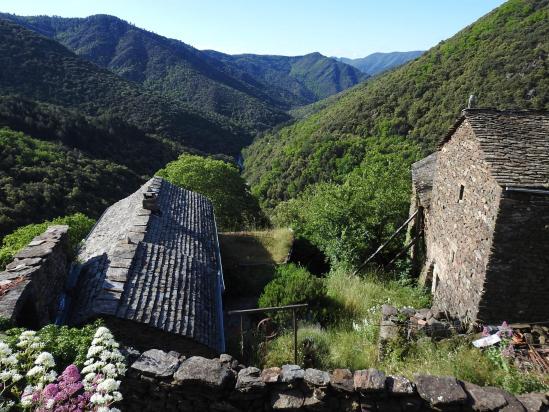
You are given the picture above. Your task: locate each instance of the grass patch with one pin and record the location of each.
(256, 247)
(351, 341)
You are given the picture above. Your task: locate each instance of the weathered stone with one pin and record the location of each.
(291, 373)
(201, 371)
(400, 386)
(271, 375)
(342, 380)
(221, 406)
(316, 377)
(513, 405)
(23, 262)
(249, 380)
(388, 330)
(157, 363)
(388, 310)
(534, 402)
(369, 381)
(482, 400)
(226, 358)
(440, 390)
(287, 400)
(408, 312)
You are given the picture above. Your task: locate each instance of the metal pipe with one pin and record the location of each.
(295, 337)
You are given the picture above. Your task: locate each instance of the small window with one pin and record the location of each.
(461, 190)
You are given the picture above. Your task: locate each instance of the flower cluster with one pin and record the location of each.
(29, 365)
(9, 374)
(104, 363)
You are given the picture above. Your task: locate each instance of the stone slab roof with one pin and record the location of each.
(157, 268)
(514, 143)
(423, 173)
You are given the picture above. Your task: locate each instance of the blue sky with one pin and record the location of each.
(350, 28)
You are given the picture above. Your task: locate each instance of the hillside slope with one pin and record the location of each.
(502, 59)
(37, 68)
(376, 63)
(43, 180)
(208, 81)
(292, 81)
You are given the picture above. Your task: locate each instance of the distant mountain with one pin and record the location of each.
(37, 68)
(376, 63)
(502, 59)
(251, 91)
(292, 81)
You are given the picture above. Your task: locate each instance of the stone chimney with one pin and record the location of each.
(150, 201)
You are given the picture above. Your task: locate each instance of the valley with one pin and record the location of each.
(175, 184)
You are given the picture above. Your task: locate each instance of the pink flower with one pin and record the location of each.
(50, 391)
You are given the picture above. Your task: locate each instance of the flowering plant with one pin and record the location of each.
(31, 368)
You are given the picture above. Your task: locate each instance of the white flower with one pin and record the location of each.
(50, 403)
(35, 370)
(94, 350)
(46, 359)
(117, 396)
(98, 399)
(108, 385)
(109, 370)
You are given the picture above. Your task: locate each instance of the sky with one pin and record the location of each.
(343, 28)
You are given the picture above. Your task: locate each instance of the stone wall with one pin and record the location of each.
(31, 285)
(517, 280)
(160, 381)
(459, 231)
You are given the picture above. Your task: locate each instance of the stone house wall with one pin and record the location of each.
(31, 285)
(160, 381)
(517, 280)
(460, 225)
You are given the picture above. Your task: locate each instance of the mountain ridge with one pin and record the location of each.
(379, 62)
(174, 68)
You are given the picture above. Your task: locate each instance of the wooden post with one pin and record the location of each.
(295, 336)
(241, 337)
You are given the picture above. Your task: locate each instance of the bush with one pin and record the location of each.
(79, 227)
(347, 221)
(292, 285)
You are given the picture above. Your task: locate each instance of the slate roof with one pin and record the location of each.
(161, 269)
(423, 173)
(514, 143)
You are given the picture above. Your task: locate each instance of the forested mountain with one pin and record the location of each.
(292, 81)
(37, 68)
(42, 180)
(376, 63)
(252, 91)
(502, 59)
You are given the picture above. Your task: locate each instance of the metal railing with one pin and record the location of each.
(243, 312)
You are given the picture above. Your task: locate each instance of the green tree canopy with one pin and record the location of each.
(348, 220)
(235, 207)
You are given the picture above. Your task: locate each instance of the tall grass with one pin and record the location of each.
(352, 342)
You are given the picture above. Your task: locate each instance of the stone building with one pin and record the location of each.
(485, 215)
(151, 269)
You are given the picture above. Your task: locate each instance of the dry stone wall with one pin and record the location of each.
(31, 285)
(166, 381)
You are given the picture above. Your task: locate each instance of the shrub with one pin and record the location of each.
(292, 285)
(79, 226)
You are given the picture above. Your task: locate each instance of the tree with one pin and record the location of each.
(235, 208)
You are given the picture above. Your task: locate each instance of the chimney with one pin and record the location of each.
(472, 102)
(150, 201)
